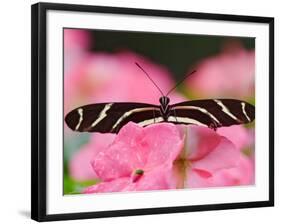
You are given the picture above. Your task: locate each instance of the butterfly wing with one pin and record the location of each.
(111, 117)
(212, 112)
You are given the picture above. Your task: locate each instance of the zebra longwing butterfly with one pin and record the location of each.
(111, 117)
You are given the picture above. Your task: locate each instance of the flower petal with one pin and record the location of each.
(80, 164)
(116, 185)
(238, 135)
(165, 142)
(225, 165)
(241, 174)
(200, 142)
(123, 156)
(138, 148)
(157, 179)
(223, 155)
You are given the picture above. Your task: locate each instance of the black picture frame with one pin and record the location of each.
(39, 117)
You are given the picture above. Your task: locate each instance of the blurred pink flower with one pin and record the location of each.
(229, 74)
(139, 159)
(76, 39)
(240, 136)
(213, 161)
(102, 77)
(76, 45)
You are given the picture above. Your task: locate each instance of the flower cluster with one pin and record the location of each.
(166, 156)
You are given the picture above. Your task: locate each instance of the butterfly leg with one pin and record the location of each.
(213, 125)
(154, 116)
(175, 115)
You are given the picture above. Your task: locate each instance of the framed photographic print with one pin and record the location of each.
(138, 111)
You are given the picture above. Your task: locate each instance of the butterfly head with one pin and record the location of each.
(164, 101)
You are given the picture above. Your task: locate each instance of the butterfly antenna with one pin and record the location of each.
(150, 78)
(171, 90)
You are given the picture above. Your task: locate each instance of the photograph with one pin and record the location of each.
(146, 111)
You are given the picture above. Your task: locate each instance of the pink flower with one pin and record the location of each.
(230, 74)
(76, 44)
(243, 138)
(76, 39)
(154, 157)
(213, 160)
(80, 165)
(139, 159)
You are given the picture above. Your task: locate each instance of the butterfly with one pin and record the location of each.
(111, 117)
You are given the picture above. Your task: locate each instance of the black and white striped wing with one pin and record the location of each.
(111, 117)
(212, 113)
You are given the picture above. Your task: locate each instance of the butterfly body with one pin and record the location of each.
(164, 107)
